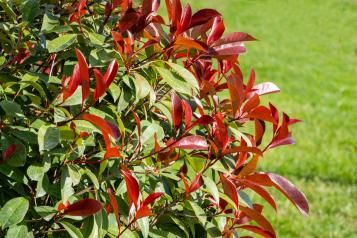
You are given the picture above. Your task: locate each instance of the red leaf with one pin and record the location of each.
(235, 48)
(283, 136)
(234, 38)
(251, 81)
(84, 207)
(259, 131)
(284, 186)
(143, 211)
(188, 113)
(236, 92)
(83, 134)
(185, 19)
(63, 206)
(217, 30)
(111, 73)
(203, 16)
(236, 149)
(204, 120)
(230, 189)
(261, 191)
(103, 82)
(102, 124)
(259, 218)
(100, 85)
(112, 152)
(72, 82)
(261, 113)
(132, 187)
(114, 204)
(128, 20)
(151, 198)
(265, 88)
(220, 132)
(84, 74)
(252, 103)
(138, 124)
(149, 6)
(187, 43)
(176, 10)
(177, 110)
(8, 152)
(191, 143)
(196, 184)
(199, 106)
(257, 230)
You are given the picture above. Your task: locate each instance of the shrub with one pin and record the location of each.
(118, 122)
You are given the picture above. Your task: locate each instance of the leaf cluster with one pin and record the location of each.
(116, 121)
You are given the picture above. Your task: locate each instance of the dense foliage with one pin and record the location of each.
(116, 121)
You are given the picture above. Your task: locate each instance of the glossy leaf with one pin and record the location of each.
(177, 110)
(284, 186)
(230, 190)
(84, 207)
(203, 16)
(217, 30)
(83, 74)
(61, 43)
(259, 218)
(191, 143)
(265, 88)
(132, 187)
(196, 184)
(72, 230)
(13, 212)
(151, 198)
(188, 113)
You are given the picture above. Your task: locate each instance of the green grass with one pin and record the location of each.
(309, 49)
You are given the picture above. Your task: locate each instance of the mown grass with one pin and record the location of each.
(308, 48)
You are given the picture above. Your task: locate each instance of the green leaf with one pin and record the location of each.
(30, 79)
(66, 185)
(36, 171)
(46, 212)
(91, 176)
(18, 159)
(48, 137)
(72, 230)
(49, 22)
(75, 174)
(149, 129)
(211, 187)
(13, 212)
(29, 10)
(42, 186)
(96, 39)
(174, 81)
(61, 43)
(18, 232)
(13, 173)
(212, 230)
(12, 109)
(199, 212)
(144, 226)
(196, 163)
(9, 12)
(245, 198)
(185, 74)
(142, 87)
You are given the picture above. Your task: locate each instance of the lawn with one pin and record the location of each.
(308, 48)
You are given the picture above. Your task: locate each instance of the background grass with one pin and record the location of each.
(309, 49)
